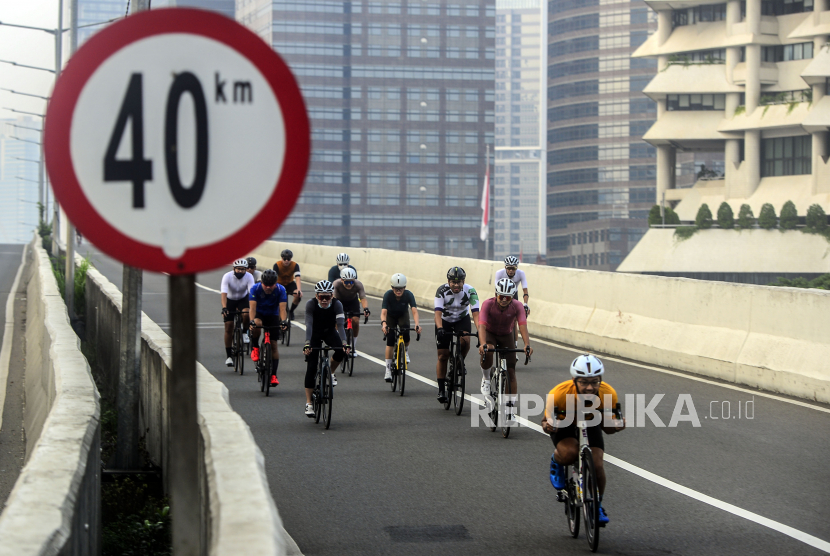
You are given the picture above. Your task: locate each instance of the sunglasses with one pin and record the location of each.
(349, 282)
(504, 297)
(286, 259)
(583, 382)
(456, 282)
(398, 289)
(342, 264)
(510, 268)
(322, 297)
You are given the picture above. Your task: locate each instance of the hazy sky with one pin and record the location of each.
(24, 46)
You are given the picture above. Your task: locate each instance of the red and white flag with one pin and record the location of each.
(485, 203)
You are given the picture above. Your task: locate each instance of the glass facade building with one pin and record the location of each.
(18, 179)
(401, 101)
(600, 173)
(519, 186)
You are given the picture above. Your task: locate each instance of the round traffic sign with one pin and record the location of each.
(176, 140)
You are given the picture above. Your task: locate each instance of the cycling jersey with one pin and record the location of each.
(334, 272)
(319, 321)
(268, 304)
(397, 306)
(236, 288)
(455, 306)
(344, 294)
(519, 278)
(498, 322)
(286, 272)
(257, 276)
(561, 391)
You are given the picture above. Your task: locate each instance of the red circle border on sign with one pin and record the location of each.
(58, 125)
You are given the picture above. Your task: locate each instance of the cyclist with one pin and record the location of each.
(342, 262)
(324, 320)
(288, 276)
(268, 302)
(257, 274)
(348, 290)
(393, 312)
(234, 289)
(496, 323)
(587, 371)
(511, 270)
(453, 303)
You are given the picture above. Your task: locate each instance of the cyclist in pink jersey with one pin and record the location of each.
(496, 321)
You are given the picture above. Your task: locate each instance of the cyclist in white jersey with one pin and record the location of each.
(454, 301)
(234, 289)
(511, 271)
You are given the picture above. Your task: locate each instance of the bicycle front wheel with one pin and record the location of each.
(451, 370)
(401, 364)
(317, 397)
(327, 395)
(495, 388)
(266, 367)
(572, 505)
(351, 356)
(590, 499)
(459, 384)
(504, 393)
(238, 351)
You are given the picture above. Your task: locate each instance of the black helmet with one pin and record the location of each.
(456, 273)
(251, 262)
(269, 277)
(286, 253)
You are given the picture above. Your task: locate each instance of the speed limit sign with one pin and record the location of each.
(176, 140)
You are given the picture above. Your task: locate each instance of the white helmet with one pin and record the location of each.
(323, 286)
(510, 260)
(398, 280)
(348, 274)
(240, 262)
(587, 366)
(343, 258)
(506, 286)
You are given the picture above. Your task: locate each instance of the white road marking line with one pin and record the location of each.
(8, 332)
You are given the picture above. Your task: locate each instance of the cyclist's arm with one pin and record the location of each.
(298, 280)
(309, 321)
(525, 296)
(416, 317)
(383, 313)
(475, 318)
(438, 318)
(283, 312)
(252, 309)
(481, 328)
(224, 300)
(341, 329)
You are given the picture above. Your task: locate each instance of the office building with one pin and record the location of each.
(600, 173)
(401, 101)
(519, 187)
(19, 167)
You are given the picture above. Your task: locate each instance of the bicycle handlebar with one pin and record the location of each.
(509, 350)
(417, 338)
(350, 315)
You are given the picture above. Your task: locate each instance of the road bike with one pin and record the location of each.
(500, 385)
(323, 394)
(237, 343)
(399, 366)
(582, 487)
(286, 334)
(456, 374)
(265, 365)
(349, 361)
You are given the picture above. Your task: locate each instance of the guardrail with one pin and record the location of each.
(760, 336)
(55, 507)
(239, 514)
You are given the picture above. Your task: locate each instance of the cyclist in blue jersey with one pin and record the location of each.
(267, 308)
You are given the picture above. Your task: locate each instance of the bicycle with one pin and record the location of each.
(399, 362)
(286, 334)
(265, 363)
(237, 345)
(500, 387)
(349, 361)
(323, 394)
(456, 374)
(582, 487)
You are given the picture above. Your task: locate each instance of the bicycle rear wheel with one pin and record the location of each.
(351, 356)
(504, 387)
(238, 351)
(286, 336)
(266, 367)
(326, 394)
(571, 505)
(459, 384)
(348, 358)
(590, 499)
(401, 365)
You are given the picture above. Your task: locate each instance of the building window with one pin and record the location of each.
(786, 97)
(786, 156)
(695, 102)
(781, 7)
(787, 52)
(699, 14)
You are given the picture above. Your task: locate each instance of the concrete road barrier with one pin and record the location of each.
(765, 337)
(55, 505)
(240, 516)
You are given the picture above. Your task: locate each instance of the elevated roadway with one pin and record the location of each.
(399, 475)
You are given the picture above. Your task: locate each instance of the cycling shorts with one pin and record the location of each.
(269, 320)
(402, 322)
(234, 305)
(290, 288)
(595, 439)
(507, 342)
(352, 306)
(463, 325)
(331, 338)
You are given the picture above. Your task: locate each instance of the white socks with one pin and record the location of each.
(388, 364)
(486, 373)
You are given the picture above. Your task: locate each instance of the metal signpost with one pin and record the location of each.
(167, 142)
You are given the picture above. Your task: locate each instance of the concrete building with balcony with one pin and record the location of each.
(401, 101)
(519, 189)
(749, 79)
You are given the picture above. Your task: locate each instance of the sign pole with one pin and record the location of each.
(69, 271)
(186, 505)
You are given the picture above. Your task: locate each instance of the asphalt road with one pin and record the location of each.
(399, 475)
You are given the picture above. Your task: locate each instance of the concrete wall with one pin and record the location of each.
(55, 505)
(239, 514)
(765, 337)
